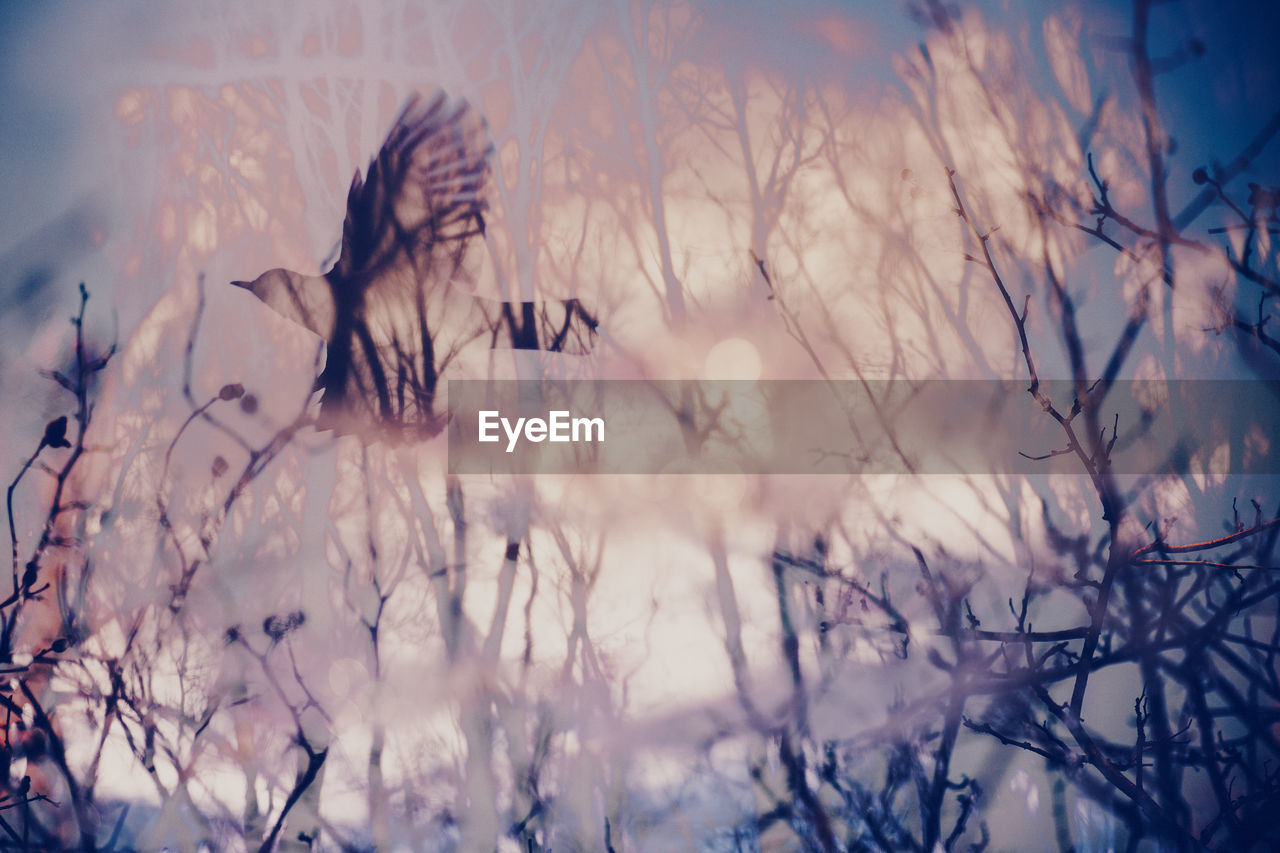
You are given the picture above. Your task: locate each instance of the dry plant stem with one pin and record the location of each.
(1096, 462)
(78, 386)
(258, 457)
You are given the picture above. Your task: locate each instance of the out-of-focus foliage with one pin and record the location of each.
(230, 630)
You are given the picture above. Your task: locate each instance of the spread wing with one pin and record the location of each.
(391, 309)
(398, 317)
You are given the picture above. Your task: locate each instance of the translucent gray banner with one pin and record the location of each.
(818, 427)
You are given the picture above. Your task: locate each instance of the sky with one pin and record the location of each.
(144, 146)
(63, 64)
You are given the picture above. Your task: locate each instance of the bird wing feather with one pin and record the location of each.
(389, 308)
(409, 224)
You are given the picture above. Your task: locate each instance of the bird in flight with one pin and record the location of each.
(391, 310)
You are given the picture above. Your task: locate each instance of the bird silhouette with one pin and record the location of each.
(393, 310)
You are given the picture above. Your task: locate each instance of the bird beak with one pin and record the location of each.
(244, 284)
